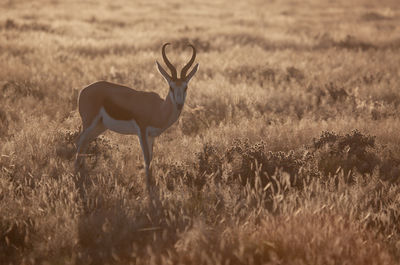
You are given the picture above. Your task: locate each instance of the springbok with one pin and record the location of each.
(104, 105)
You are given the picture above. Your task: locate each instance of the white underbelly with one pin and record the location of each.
(119, 126)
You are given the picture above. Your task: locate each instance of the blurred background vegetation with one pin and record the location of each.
(287, 150)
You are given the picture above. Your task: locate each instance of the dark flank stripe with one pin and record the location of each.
(118, 112)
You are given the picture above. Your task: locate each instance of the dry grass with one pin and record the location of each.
(287, 151)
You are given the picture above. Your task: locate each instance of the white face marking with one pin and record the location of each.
(178, 90)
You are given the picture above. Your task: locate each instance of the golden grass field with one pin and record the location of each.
(287, 151)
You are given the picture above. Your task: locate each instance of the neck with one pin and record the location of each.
(169, 112)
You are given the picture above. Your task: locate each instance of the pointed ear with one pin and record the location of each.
(163, 73)
(191, 74)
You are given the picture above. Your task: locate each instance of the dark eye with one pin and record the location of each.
(170, 88)
(186, 88)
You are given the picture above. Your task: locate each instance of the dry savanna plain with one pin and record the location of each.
(287, 150)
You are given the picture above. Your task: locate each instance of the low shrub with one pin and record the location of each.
(246, 159)
(350, 152)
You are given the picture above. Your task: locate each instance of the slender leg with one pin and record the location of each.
(81, 141)
(150, 142)
(154, 194)
(143, 139)
(94, 130)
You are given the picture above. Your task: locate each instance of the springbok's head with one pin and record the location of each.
(178, 86)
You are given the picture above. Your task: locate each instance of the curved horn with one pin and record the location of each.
(168, 63)
(189, 64)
